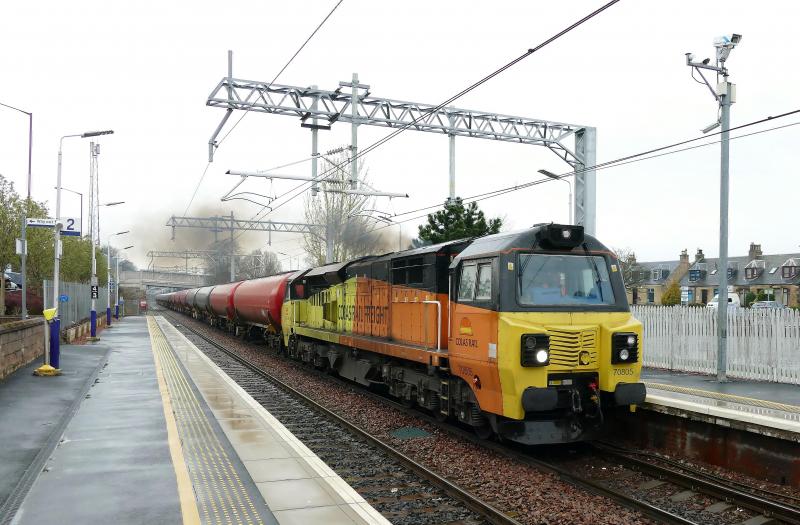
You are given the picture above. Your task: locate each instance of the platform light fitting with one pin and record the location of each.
(711, 127)
(96, 133)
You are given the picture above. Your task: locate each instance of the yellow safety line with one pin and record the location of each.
(185, 492)
(762, 403)
(204, 444)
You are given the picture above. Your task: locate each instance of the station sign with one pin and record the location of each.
(95, 292)
(70, 226)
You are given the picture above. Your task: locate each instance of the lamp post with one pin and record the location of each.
(556, 177)
(81, 196)
(108, 275)
(56, 325)
(116, 280)
(24, 254)
(724, 95)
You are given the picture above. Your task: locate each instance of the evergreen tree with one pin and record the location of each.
(672, 295)
(457, 221)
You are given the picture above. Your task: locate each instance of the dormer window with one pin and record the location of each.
(789, 269)
(694, 275)
(755, 268)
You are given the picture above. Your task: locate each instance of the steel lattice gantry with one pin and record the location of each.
(358, 107)
(231, 224)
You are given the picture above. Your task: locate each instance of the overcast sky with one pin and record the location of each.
(146, 68)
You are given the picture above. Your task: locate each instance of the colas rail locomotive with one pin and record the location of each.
(527, 335)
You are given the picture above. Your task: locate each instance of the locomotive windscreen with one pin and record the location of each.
(558, 280)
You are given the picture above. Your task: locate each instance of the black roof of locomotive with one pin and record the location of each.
(528, 239)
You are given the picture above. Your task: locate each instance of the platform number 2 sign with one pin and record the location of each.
(71, 226)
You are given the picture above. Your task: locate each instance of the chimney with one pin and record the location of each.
(699, 256)
(754, 252)
(684, 257)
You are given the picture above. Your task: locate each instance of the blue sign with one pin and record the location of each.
(63, 298)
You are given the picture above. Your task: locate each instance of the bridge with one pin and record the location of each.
(146, 279)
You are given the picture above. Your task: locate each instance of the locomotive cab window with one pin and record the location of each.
(466, 284)
(484, 290)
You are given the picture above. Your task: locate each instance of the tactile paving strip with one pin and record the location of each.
(222, 497)
(761, 403)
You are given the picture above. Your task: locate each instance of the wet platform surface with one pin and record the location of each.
(771, 405)
(33, 411)
(160, 436)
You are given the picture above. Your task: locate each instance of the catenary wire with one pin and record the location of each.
(630, 159)
(284, 67)
(208, 165)
(300, 188)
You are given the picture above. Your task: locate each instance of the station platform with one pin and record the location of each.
(147, 429)
(754, 406)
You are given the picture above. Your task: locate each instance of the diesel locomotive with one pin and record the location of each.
(525, 335)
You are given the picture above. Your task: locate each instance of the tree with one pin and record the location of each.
(629, 268)
(218, 266)
(672, 295)
(457, 221)
(258, 264)
(345, 218)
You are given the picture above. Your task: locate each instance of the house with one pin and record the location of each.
(646, 282)
(777, 276)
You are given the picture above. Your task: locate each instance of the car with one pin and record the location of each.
(733, 301)
(764, 305)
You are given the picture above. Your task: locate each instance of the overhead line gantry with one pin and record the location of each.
(320, 109)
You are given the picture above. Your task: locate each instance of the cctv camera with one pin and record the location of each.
(735, 39)
(706, 61)
(689, 57)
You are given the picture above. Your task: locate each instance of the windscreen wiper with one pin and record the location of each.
(596, 271)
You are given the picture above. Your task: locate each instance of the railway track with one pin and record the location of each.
(779, 507)
(765, 506)
(402, 490)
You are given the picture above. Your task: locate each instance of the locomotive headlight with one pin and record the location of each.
(535, 350)
(624, 348)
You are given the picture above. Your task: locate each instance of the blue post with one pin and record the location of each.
(93, 323)
(108, 315)
(116, 311)
(55, 342)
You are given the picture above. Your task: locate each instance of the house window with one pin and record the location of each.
(651, 295)
(788, 272)
(694, 275)
(750, 273)
(656, 275)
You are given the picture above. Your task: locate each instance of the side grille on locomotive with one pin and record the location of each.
(566, 347)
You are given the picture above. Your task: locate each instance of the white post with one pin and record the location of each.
(354, 134)
(314, 147)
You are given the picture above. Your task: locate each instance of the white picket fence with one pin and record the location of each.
(762, 344)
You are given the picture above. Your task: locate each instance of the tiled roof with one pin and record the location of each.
(770, 275)
(648, 268)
